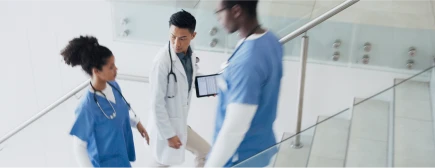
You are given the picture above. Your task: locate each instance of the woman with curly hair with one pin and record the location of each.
(102, 129)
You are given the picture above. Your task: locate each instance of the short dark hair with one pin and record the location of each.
(250, 6)
(86, 51)
(183, 19)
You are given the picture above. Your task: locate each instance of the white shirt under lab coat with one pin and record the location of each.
(168, 116)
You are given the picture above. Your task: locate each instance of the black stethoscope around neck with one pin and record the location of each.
(113, 115)
(171, 92)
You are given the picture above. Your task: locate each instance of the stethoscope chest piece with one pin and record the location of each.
(113, 116)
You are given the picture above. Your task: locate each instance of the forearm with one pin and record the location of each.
(134, 120)
(237, 122)
(81, 153)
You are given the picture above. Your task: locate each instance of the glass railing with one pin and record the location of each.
(280, 17)
(394, 127)
(387, 35)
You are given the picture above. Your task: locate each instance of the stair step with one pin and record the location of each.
(414, 144)
(368, 140)
(330, 143)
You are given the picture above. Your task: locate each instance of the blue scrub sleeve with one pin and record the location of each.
(84, 125)
(245, 84)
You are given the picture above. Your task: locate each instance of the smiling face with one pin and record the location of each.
(180, 38)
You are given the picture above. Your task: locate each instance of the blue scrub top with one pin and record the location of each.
(110, 142)
(253, 77)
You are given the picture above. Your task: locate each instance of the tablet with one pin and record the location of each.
(206, 85)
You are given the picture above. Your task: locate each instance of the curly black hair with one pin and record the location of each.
(86, 51)
(183, 19)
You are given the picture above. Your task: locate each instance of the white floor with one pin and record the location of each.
(414, 144)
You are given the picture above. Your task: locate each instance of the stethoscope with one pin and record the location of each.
(171, 73)
(237, 49)
(113, 115)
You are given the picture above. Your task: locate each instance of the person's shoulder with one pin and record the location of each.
(115, 84)
(271, 35)
(85, 104)
(269, 38)
(162, 56)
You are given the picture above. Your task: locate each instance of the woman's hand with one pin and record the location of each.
(143, 132)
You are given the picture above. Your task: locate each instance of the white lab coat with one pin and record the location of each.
(168, 116)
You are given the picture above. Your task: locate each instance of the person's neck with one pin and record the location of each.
(185, 51)
(248, 27)
(98, 84)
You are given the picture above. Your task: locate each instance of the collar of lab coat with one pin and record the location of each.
(176, 62)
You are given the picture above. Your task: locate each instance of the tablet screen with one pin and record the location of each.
(206, 85)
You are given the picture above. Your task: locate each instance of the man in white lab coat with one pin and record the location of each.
(172, 79)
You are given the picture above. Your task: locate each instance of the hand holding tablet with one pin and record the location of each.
(206, 85)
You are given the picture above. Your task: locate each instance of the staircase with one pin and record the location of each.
(368, 143)
(414, 144)
(391, 129)
(330, 143)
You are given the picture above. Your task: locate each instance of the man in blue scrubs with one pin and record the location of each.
(249, 90)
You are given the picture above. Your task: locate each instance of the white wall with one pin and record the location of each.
(33, 33)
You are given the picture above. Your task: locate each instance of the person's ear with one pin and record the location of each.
(193, 35)
(236, 11)
(95, 71)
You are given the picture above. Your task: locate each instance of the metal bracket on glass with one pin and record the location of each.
(124, 21)
(365, 59)
(337, 44)
(367, 47)
(412, 51)
(125, 33)
(410, 63)
(213, 31)
(213, 42)
(336, 56)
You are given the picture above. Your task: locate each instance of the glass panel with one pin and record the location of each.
(387, 35)
(140, 14)
(391, 128)
(280, 17)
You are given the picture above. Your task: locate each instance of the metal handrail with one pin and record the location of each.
(63, 99)
(317, 21)
(304, 55)
(283, 40)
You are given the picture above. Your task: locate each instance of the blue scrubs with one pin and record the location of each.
(253, 77)
(110, 142)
